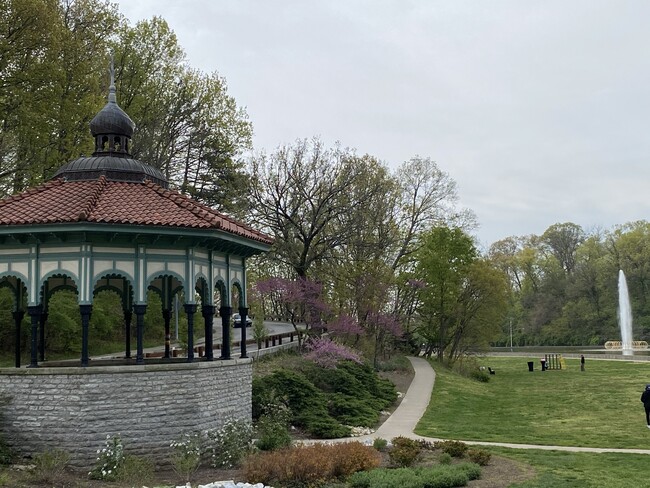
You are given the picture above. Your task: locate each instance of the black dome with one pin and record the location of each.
(113, 168)
(112, 120)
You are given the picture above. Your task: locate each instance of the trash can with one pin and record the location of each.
(543, 361)
(531, 366)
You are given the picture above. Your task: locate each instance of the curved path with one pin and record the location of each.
(404, 419)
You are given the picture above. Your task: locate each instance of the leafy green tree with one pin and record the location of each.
(443, 265)
(188, 125)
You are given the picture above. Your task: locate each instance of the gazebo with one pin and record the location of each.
(110, 222)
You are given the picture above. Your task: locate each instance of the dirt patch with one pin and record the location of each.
(502, 472)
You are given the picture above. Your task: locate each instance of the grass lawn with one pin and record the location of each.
(580, 470)
(596, 408)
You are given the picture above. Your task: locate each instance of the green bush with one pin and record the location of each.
(6, 453)
(479, 375)
(322, 427)
(479, 456)
(453, 448)
(186, 456)
(445, 458)
(135, 471)
(380, 444)
(230, 444)
(323, 402)
(109, 459)
(50, 465)
(273, 426)
(271, 434)
(404, 451)
(434, 477)
(350, 410)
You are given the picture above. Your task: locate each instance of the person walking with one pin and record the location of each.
(582, 362)
(645, 398)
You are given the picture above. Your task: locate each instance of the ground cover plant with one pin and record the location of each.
(326, 402)
(599, 407)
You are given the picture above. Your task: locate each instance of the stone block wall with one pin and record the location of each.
(149, 406)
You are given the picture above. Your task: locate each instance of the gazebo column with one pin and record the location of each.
(139, 332)
(41, 342)
(128, 315)
(208, 317)
(190, 309)
(225, 313)
(35, 313)
(18, 318)
(243, 312)
(85, 311)
(167, 316)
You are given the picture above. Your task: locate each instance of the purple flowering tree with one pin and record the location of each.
(327, 353)
(300, 300)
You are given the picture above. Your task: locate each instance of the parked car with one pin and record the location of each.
(236, 318)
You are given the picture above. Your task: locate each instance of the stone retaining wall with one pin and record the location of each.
(149, 406)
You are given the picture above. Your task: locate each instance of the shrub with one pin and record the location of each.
(273, 427)
(109, 459)
(434, 477)
(322, 427)
(6, 453)
(380, 444)
(479, 456)
(312, 465)
(50, 465)
(135, 471)
(453, 448)
(229, 445)
(404, 452)
(351, 410)
(186, 457)
(445, 458)
(479, 375)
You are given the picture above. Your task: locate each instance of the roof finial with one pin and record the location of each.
(111, 89)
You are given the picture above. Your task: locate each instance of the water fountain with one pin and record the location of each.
(626, 344)
(624, 315)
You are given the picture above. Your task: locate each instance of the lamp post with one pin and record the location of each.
(510, 335)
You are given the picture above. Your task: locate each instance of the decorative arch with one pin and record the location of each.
(237, 286)
(202, 287)
(54, 282)
(221, 288)
(16, 286)
(111, 274)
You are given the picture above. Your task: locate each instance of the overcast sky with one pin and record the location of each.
(539, 110)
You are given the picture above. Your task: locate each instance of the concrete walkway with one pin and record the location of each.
(404, 419)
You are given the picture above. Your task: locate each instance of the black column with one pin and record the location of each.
(35, 314)
(208, 317)
(225, 313)
(18, 318)
(85, 319)
(167, 315)
(41, 340)
(243, 311)
(139, 332)
(128, 315)
(190, 309)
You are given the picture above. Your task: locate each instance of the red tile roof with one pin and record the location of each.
(116, 202)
